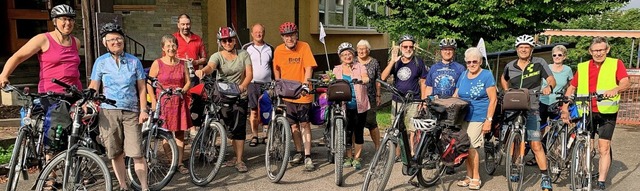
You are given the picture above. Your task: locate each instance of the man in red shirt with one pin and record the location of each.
(604, 112)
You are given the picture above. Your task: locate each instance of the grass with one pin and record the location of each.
(5, 154)
(384, 117)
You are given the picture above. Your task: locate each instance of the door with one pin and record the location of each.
(27, 18)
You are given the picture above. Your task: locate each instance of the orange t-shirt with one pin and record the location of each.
(291, 65)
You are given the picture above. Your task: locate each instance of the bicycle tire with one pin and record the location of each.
(578, 172)
(58, 162)
(155, 163)
(17, 162)
(492, 155)
(515, 145)
(204, 151)
(555, 161)
(381, 166)
(430, 156)
(277, 149)
(339, 149)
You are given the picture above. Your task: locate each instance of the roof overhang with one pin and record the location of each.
(593, 33)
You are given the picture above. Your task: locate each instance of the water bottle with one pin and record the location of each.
(571, 138)
(192, 72)
(23, 113)
(58, 135)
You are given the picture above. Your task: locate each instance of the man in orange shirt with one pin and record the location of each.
(293, 60)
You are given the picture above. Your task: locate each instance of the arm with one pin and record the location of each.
(202, 54)
(423, 88)
(455, 93)
(364, 74)
(248, 76)
(142, 95)
(153, 72)
(276, 71)
(187, 79)
(206, 70)
(493, 100)
(504, 83)
(32, 47)
(308, 73)
(387, 70)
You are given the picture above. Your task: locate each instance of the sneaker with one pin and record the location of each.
(545, 184)
(450, 170)
(347, 162)
(308, 164)
(599, 186)
(356, 164)
(297, 159)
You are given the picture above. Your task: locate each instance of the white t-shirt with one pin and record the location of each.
(261, 59)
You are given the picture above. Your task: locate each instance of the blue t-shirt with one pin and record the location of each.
(119, 82)
(562, 78)
(475, 92)
(407, 76)
(443, 77)
(351, 104)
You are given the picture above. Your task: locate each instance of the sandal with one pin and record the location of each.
(254, 142)
(231, 162)
(464, 182)
(531, 162)
(241, 167)
(52, 184)
(183, 170)
(475, 186)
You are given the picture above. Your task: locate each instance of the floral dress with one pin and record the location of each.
(174, 110)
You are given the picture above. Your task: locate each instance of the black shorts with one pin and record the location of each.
(544, 114)
(235, 119)
(297, 112)
(253, 94)
(605, 123)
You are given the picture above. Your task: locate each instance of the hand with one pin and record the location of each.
(3, 81)
(178, 91)
(486, 127)
(199, 73)
(143, 117)
(546, 91)
(394, 53)
(611, 93)
(565, 116)
(378, 100)
(242, 88)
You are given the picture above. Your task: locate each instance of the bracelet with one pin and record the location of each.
(378, 96)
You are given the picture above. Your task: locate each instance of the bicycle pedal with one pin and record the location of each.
(414, 183)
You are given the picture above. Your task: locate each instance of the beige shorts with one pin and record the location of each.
(474, 131)
(411, 112)
(119, 128)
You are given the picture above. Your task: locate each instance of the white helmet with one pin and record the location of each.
(345, 46)
(424, 124)
(448, 43)
(524, 39)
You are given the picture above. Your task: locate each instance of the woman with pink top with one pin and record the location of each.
(358, 106)
(57, 52)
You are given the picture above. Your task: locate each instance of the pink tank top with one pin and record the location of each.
(60, 62)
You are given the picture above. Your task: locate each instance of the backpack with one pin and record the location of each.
(455, 146)
(319, 109)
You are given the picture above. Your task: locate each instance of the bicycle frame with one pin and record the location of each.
(583, 133)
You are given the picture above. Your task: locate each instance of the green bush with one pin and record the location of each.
(5, 154)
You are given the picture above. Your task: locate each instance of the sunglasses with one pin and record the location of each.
(226, 40)
(557, 55)
(407, 47)
(473, 62)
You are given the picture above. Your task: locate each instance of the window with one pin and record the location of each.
(344, 14)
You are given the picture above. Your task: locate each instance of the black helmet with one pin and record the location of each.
(448, 43)
(406, 37)
(62, 10)
(109, 28)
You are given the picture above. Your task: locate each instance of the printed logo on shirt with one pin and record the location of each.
(476, 90)
(444, 82)
(295, 60)
(404, 73)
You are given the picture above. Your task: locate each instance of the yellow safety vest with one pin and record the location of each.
(606, 81)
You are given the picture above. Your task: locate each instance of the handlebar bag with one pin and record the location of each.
(226, 92)
(288, 88)
(455, 109)
(339, 90)
(516, 99)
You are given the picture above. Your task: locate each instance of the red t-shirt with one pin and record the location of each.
(194, 49)
(594, 70)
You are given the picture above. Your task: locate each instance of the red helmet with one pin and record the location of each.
(226, 32)
(288, 28)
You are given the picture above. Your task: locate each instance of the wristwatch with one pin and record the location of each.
(489, 119)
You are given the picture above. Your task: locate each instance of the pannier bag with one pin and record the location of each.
(455, 143)
(288, 88)
(319, 110)
(339, 90)
(265, 108)
(516, 99)
(57, 115)
(226, 92)
(455, 110)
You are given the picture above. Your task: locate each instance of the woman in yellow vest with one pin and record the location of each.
(602, 75)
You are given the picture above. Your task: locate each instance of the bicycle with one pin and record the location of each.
(427, 165)
(560, 139)
(581, 157)
(29, 148)
(80, 161)
(155, 137)
(278, 136)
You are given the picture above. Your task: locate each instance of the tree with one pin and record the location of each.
(469, 20)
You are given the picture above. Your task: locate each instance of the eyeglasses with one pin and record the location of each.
(407, 47)
(346, 54)
(118, 39)
(597, 51)
(473, 62)
(226, 40)
(557, 55)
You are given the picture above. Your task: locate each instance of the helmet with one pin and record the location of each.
(406, 37)
(62, 10)
(226, 32)
(109, 28)
(345, 46)
(288, 28)
(424, 124)
(448, 43)
(525, 39)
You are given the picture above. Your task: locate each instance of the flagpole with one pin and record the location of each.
(327, 56)
(322, 35)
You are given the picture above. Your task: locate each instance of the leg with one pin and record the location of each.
(306, 137)
(604, 146)
(253, 122)
(132, 148)
(297, 137)
(179, 137)
(119, 171)
(141, 171)
(536, 147)
(375, 136)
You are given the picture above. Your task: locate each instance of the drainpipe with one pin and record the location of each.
(87, 23)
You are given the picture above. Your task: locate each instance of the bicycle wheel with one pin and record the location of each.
(277, 151)
(339, 149)
(515, 160)
(554, 153)
(432, 166)
(207, 153)
(381, 166)
(87, 172)
(18, 164)
(578, 175)
(492, 155)
(161, 156)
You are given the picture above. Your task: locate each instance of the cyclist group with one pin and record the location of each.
(122, 78)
